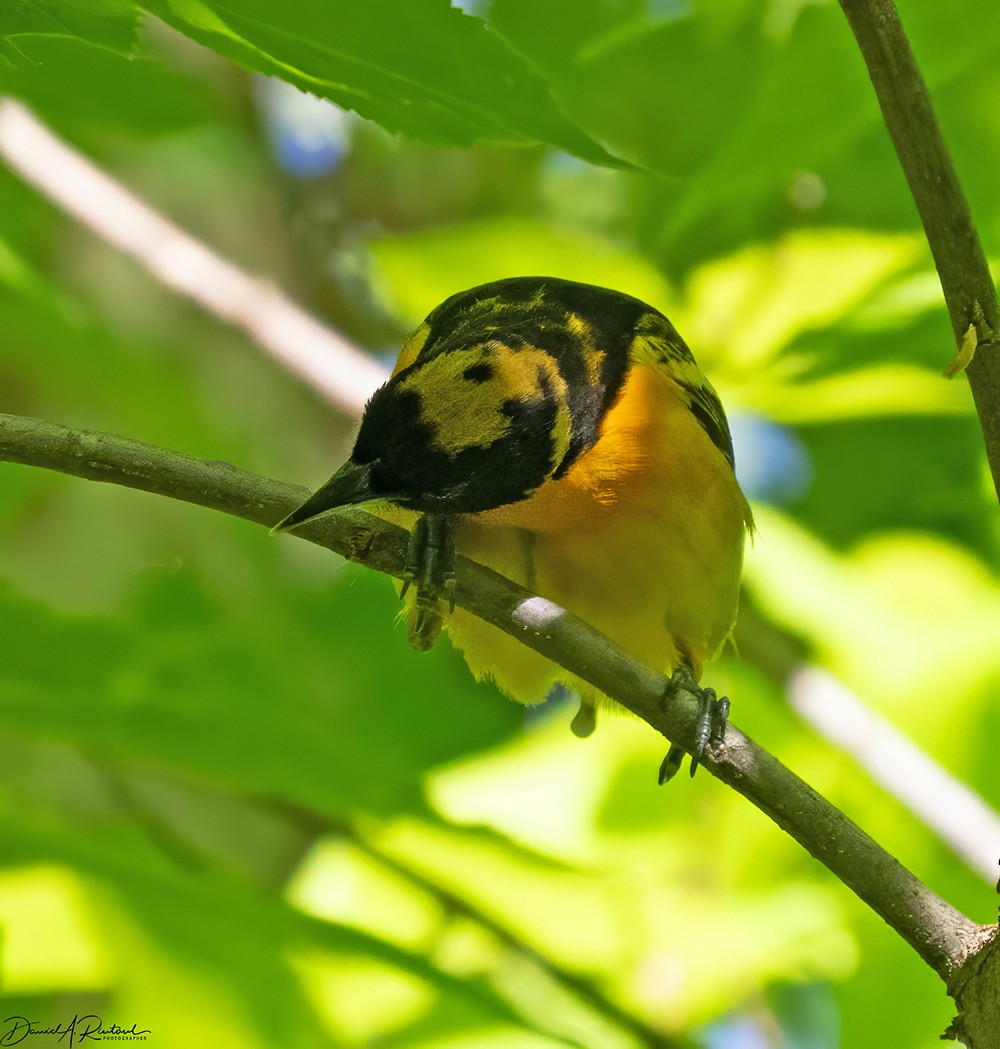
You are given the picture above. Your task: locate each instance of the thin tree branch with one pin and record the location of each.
(939, 933)
(324, 359)
(958, 254)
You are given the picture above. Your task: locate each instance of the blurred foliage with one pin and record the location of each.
(236, 809)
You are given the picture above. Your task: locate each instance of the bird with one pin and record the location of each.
(561, 434)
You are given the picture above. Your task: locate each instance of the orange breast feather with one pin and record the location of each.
(643, 538)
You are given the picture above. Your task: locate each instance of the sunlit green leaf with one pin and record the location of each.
(750, 305)
(879, 625)
(71, 81)
(108, 23)
(419, 270)
(424, 69)
(49, 943)
(163, 923)
(19, 275)
(339, 714)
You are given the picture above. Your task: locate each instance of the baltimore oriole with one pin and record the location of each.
(561, 434)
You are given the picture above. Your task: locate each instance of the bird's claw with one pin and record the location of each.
(430, 567)
(713, 715)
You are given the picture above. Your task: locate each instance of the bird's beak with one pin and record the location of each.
(350, 484)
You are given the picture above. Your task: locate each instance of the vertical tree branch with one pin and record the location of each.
(958, 254)
(971, 299)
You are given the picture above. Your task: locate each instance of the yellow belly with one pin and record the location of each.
(643, 538)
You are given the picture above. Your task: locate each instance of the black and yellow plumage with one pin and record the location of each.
(563, 435)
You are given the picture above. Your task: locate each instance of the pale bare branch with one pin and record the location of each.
(318, 355)
(956, 814)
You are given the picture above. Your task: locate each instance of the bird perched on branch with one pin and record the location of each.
(562, 435)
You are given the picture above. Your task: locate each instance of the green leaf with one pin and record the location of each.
(807, 1013)
(107, 23)
(649, 89)
(70, 81)
(418, 67)
(736, 103)
(879, 626)
(238, 960)
(351, 723)
(418, 270)
(788, 327)
(20, 276)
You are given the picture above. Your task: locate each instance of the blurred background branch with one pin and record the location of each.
(329, 363)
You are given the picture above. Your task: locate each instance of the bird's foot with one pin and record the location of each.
(713, 714)
(430, 568)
